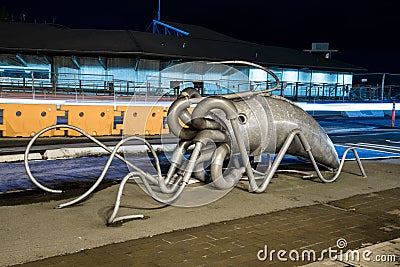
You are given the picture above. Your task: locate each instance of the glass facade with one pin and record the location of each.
(311, 85)
(132, 75)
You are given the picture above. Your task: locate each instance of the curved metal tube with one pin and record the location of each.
(107, 166)
(250, 93)
(34, 180)
(113, 219)
(199, 120)
(179, 110)
(177, 107)
(205, 123)
(206, 154)
(201, 140)
(176, 158)
(231, 177)
(282, 152)
(325, 180)
(192, 161)
(200, 173)
(207, 136)
(189, 93)
(259, 189)
(243, 152)
(215, 102)
(143, 175)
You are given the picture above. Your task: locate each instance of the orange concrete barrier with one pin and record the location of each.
(25, 120)
(145, 120)
(95, 120)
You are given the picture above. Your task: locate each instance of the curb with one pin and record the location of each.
(65, 153)
(19, 157)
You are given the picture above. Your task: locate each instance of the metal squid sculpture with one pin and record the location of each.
(221, 138)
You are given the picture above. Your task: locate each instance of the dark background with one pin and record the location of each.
(363, 32)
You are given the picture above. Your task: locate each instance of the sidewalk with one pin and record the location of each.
(360, 220)
(292, 214)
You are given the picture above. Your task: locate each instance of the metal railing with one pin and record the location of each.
(69, 85)
(84, 86)
(375, 93)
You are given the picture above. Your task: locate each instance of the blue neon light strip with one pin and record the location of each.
(170, 27)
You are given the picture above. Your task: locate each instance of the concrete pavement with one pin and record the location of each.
(302, 234)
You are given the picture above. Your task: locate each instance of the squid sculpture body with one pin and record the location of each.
(247, 125)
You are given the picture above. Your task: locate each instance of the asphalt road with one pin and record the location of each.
(374, 134)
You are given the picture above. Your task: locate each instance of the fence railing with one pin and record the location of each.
(79, 86)
(84, 86)
(364, 92)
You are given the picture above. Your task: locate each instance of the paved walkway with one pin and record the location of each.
(359, 221)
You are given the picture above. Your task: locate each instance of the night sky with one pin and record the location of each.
(363, 32)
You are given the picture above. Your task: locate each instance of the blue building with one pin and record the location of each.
(53, 60)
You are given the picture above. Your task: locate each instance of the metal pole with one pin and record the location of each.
(383, 85)
(33, 85)
(393, 113)
(76, 91)
(159, 10)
